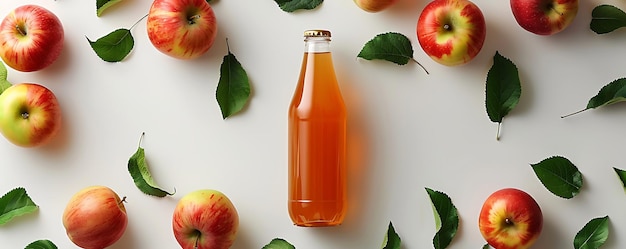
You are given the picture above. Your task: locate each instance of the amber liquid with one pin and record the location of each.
(317, 145)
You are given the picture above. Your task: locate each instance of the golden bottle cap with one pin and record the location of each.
(317, 33)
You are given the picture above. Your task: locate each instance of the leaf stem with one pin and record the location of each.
(137, 22)
(141, 138)
(574, 113)
(498, 131)
(420, 64)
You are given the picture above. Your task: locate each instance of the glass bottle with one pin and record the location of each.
(317, 139)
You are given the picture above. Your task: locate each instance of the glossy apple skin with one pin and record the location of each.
(544, 17)
(207, 217)
(525, 220)
(451, 32)
(30, 114)
(183, 29)
(31, 38)
(374, 5)
(95, 218)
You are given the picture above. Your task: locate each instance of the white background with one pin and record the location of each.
(407, 130)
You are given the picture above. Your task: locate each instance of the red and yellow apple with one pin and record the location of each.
(374, 5)
(510, 219)
(205, 219)
(95, 217)
(30, 114)
(544, 17)
(31, 38)
(451, 32)
(183, 29)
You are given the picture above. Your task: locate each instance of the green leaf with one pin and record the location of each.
(486, 246)
(560, 176)
(609, 94)
(392, 239)
(41, 244)
(233, 88)
(393, 47)
(622, 176)
(503, 89)
(138, 169)
(606, 18)
(446, 218)
(593, 234)
(102, 5)
(15, 203)
(293, 5)
(4, 83)
(279, 243)
(115, 46)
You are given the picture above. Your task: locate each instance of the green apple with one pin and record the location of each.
(29, 114)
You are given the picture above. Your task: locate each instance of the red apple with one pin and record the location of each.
(510, 219)
(31, 38)
(29, 114)
(544, 17)
(451, 32)
(205, 219)
(183, 29)
(95, 218)
(374, 5)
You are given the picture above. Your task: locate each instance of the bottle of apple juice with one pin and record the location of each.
(317, 139)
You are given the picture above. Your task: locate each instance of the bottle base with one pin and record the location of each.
(306, 213)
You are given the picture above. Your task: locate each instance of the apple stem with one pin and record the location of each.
(20, 29)
(508, 221)
(192, 19)
(420, 64)
(196, 244)
(571, 114)
(123, 200)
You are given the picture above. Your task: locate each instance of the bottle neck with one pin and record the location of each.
(317, 44)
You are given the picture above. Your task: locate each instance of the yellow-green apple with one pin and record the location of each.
(95, 217)
(31, 38)
(205, 219)
(451, 32)
(183, 29)
(544, 17)
(510, 219)
(374, 5)
(30, 114)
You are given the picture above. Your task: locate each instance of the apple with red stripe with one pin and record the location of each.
(183, 29)
(451, 32)
(31, 38)
(510, 219)
(205, 219)
(374, 5)
(544, 17)
(95, 217)
(30, 114)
